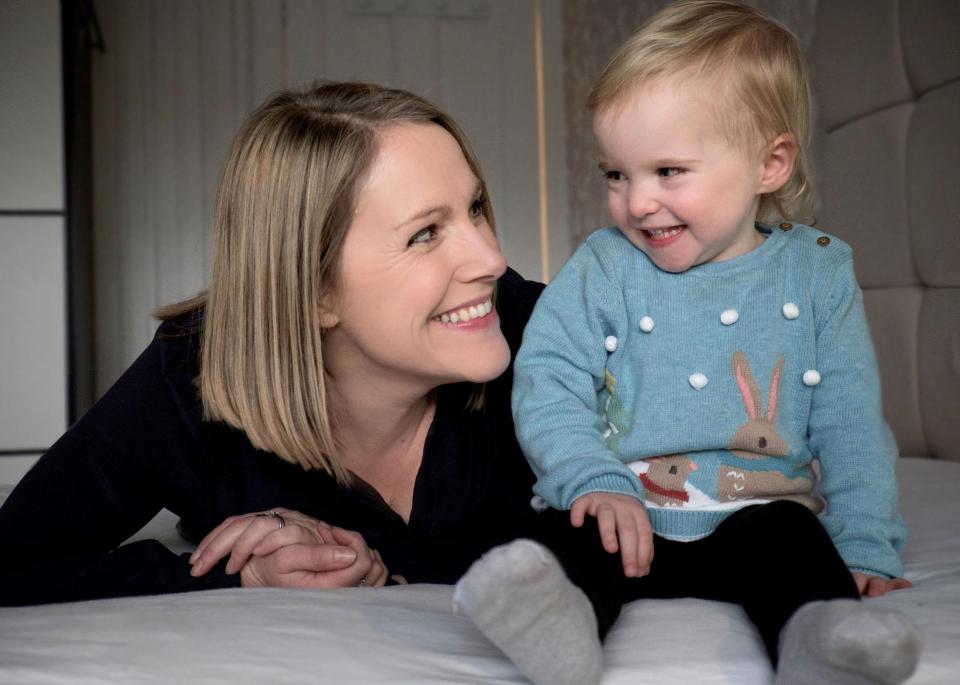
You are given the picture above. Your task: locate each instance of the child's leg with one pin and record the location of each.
(799, 593)
(791, 561)
(520, 598)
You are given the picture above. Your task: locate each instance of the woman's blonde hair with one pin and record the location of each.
(755, 67)
(284, 206)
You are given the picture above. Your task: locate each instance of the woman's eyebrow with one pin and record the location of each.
(444, 211)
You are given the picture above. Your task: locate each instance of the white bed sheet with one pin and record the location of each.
(410, 635)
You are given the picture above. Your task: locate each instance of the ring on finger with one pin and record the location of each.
(363, 582)
(274, 515)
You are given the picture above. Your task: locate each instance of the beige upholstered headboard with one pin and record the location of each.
(887, 85)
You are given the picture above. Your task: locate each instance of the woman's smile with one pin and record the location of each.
(470, 314)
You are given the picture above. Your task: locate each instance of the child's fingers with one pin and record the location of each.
(578, 513)
(644, 538)
(629, 552)
(607, 524)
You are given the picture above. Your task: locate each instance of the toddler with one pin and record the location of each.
(704, 384)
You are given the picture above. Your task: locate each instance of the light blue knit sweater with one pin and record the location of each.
(606, 394)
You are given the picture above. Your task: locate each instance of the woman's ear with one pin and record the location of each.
(778, 163)
(329, 318)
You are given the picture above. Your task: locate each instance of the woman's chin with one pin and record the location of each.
(488, 365)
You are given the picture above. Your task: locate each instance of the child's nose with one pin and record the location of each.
(641, 203)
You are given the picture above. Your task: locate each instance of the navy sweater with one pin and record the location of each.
(144, 447)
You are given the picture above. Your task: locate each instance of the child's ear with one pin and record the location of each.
(778, 163)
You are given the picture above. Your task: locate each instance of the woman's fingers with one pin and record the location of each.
(218, 544)
(239, 536)
(259, 529)
(377, 575)
(214, 534)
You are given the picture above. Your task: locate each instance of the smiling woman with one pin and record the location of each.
(315, 418)
(333, 367)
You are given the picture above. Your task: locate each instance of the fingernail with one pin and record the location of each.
(344, 555)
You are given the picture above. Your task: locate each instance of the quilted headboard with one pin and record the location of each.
(887, 86)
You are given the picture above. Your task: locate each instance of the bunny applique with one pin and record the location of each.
(758, 439)
(664, 478)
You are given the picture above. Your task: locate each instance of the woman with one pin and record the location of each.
(347, 362)
(350, 362)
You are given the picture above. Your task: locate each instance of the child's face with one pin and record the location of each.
(675, 187)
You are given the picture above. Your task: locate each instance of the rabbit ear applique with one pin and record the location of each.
(774, 390)
(749, 390)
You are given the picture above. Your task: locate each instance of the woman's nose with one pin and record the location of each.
(480, 255)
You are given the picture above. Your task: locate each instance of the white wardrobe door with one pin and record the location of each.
(33, 402)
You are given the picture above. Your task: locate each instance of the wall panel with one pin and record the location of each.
(177, 78)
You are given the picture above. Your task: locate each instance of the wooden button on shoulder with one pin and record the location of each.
(823, 241)
(786, 226)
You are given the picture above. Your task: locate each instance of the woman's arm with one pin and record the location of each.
(303, 552)
(62, 526)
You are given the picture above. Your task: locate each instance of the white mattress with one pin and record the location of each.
(410, 635)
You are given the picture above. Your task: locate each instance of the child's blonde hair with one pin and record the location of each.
(762, 89)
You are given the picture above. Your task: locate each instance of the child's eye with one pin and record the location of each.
(424, 235)
(669, 171)
(613, 175)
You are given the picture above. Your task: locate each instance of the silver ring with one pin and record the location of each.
(274, 515)
(363, 581)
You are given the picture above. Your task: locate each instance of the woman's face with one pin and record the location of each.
(418, 270)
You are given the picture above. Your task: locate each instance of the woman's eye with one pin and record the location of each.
(476, 208)
(424, 235)
(669, 171)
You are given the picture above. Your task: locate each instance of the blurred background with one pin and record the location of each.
(115, 116)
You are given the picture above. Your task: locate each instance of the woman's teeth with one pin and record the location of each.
(467, 313)
(663, 232)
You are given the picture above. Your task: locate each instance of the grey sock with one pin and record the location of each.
(520, 598)
(847, 642)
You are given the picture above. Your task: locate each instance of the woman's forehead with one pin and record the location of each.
(416, 165)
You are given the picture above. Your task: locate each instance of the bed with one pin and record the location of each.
(883, 112)
(407, 635)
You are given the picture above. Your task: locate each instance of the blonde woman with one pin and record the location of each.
(335, 410)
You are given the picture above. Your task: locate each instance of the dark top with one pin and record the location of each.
(144, 447)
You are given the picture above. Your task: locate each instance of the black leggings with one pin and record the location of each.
(771, 559)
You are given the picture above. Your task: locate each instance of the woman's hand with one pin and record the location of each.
(303, 552)
(274, 564)
(875, 586)
(624, 526)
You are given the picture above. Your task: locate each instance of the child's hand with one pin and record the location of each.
(874, 586)
(619, 518)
